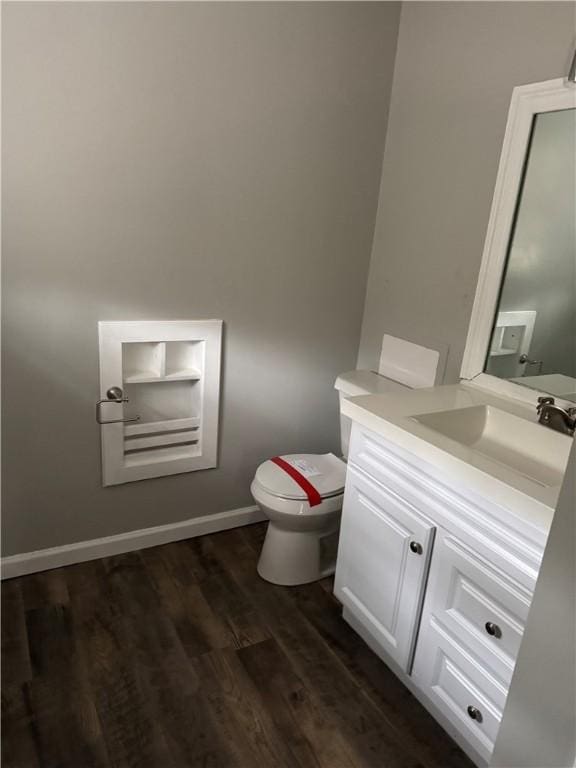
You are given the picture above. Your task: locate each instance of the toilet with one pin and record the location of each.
(301, 494)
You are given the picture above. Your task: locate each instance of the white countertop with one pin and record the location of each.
(391, 415)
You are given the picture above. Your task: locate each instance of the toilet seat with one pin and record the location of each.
(325, 472)
(296, 507)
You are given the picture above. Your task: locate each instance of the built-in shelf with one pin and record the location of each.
(169, 372)
(188, 373)
(148, 377)
(140, 377)
(151, 362)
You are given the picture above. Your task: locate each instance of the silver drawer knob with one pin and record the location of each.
(475, 714)
(493, 629)
(416, 548)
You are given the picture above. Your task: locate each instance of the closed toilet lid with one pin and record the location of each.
(325, 472)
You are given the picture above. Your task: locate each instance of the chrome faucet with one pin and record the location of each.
(556, 417)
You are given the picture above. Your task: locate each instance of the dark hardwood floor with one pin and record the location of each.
(181, 656)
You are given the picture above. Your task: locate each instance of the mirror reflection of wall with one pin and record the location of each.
(534, 338)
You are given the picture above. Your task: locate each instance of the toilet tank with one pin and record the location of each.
(355, 383)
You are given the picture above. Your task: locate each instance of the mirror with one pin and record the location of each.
(533, 340)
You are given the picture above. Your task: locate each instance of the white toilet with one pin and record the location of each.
(301, 495)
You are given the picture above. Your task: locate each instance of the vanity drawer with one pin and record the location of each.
(468, 696)
(370, 453)
(478, 605)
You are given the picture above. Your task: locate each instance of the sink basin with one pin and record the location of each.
(530, 449)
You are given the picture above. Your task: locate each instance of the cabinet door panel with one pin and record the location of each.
(379, 577)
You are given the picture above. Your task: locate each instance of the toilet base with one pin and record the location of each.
(289, 558)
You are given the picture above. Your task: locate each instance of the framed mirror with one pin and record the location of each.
(522, 334)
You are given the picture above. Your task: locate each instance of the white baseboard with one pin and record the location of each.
(80, 552)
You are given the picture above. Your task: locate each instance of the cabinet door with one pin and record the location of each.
(383, 558)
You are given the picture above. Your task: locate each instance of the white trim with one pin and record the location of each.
(82, 551)
(527, 101)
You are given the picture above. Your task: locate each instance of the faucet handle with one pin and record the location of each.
(542, 401)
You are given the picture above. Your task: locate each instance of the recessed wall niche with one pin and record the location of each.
(170, 373)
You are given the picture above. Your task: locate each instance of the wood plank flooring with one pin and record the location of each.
(182, 657)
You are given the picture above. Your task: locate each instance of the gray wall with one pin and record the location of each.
(541, 272)
(184, 160)
(456, 66)
(537, 727)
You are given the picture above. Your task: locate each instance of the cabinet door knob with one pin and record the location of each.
(475, 714)
(493, 629)
(416, 547)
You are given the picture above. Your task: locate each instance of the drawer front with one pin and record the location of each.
(481, 607)
(460, 688)
(382, 565)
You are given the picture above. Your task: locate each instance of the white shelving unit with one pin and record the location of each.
(145, 362)
(170, 373)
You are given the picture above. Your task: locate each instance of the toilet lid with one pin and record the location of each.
(325, 472)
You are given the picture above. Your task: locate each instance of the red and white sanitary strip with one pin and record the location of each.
(314, 497)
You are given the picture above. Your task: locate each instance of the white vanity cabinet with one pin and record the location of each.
(438, 582)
